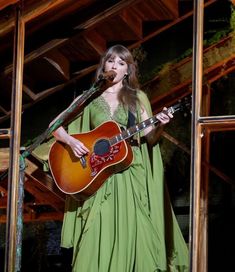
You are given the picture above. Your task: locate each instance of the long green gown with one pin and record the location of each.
(128, 225)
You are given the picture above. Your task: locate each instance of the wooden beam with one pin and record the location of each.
(59, 62)
(176, 142)
(29, 92)
(3, 202)
(115, 9)
(5, 133)
(45, 181)
(31, 12)
(92, 23)
(6, 3)
(7, 26)
(96, 40)
(3, 110)
(167, 26)
(4, 158)
(41, 180)
(224, 122)
(42, 194)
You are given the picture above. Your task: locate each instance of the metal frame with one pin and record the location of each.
(198, 236)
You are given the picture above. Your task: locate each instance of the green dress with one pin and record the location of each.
(128, 225)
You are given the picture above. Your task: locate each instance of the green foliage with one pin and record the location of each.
(232, 18)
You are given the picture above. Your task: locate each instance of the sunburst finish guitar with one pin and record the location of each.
(109, 153)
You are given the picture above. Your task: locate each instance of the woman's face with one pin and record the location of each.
(118, 65)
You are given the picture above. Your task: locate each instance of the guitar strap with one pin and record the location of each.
(131, 119)
(131, 122)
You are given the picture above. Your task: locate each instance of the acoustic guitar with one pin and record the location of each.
(109, 153)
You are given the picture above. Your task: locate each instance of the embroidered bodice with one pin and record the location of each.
(100, 112)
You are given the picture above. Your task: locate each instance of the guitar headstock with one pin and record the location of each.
(183, 105)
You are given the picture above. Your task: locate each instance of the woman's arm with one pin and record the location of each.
(154, 132)
(78, 148)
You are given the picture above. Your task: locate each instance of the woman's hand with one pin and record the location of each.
(164, 116)
(78, 148)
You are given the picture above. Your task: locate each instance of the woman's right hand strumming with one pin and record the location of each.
(78, 148)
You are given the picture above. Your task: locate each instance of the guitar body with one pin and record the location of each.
(103, 160)
(109, 154)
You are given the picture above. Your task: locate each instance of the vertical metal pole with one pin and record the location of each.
(14, 163)
(194, 246)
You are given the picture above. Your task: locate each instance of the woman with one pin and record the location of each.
(128, 225)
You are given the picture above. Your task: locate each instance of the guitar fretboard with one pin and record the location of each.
(139, 127)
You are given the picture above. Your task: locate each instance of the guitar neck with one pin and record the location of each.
(124, 135)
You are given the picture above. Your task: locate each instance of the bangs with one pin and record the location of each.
(114, 55)
(120, 52)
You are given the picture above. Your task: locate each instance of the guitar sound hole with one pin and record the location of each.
(101, 147)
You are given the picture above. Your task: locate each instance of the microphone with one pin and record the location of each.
(109, 76)
(105, 79)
